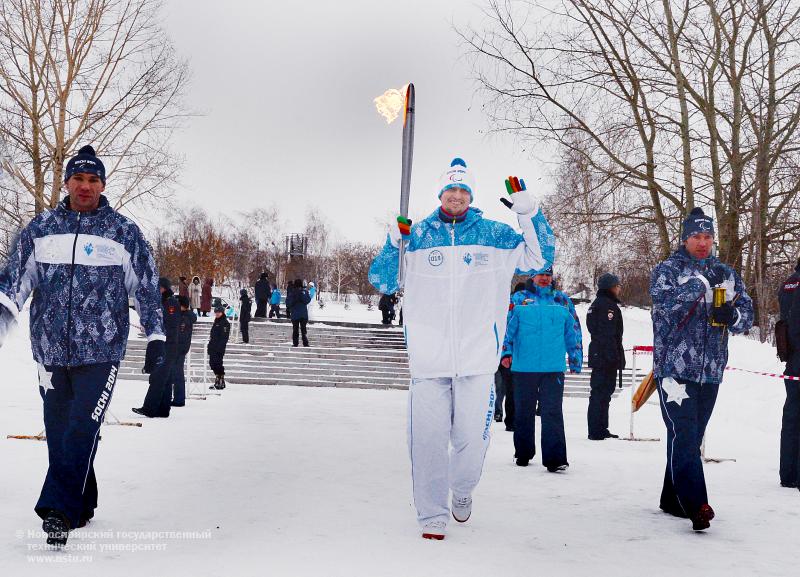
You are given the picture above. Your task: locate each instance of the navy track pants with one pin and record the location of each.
(75, 402)
(686, 407)
(548, 390)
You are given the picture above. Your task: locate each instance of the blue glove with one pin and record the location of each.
(154, 356)
(716, 274)
(725, 314)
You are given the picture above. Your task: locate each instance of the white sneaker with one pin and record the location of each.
(461, 508)
(434, 530)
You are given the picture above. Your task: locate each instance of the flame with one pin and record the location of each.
(390, 103)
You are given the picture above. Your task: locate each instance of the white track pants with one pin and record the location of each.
(442, 412)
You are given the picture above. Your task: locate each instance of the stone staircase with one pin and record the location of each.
(347, 355)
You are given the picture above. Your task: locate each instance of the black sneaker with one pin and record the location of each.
(141, 411)
(789, 485)
(523, 462)
(57, 529)
(611, 435)
(596, 438)
(498, 417)
(702, 519)
(557, 468)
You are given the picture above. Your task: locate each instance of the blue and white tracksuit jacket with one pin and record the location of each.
(686, 346)
(456, 288)
(537, 338)
(456, 296)
(80, 267)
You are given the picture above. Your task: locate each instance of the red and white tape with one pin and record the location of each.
(647, 350)
(773, 375)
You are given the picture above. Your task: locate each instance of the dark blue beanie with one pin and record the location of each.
(607, 281)
(85, 161)
(697, 222)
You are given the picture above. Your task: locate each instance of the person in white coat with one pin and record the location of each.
(458, 270)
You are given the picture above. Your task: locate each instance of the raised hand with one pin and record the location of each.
(520, 201)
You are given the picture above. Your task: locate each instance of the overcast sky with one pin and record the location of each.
(286, 92)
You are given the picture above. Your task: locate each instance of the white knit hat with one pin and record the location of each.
(457, 176)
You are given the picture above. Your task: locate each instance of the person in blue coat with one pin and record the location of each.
(275, 302)
(80, 261)
(297, 299)
(543, 330)
(690, 352)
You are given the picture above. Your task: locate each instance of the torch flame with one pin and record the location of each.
(390, 103)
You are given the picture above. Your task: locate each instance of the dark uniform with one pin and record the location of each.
(263, 292)
(386, 306)
(185, 328)
(606, 359)
(789, 298)
(158, 399)
(217, 343)
(244, 315)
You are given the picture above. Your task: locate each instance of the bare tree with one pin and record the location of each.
(669, 105)
(74, 72)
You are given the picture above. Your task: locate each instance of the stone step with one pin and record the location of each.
(310, 370)
(339, 355)
(294, 381)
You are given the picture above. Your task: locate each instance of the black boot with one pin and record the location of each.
(57, 529)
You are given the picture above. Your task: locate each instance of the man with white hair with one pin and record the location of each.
(458, 270)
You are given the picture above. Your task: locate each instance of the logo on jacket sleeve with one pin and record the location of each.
(468, 259)
(435, 258)
(88, 248)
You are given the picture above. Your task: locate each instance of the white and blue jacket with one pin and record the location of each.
(457, 277)
(685, 345)
(80, 267)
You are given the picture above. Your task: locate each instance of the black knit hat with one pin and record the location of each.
(163, 282)
(607, 281)
(85, 161)
(696, 223)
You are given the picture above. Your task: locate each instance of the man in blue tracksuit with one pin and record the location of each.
(81, 260)
(689, 357)
(543, 330)
(458, 267)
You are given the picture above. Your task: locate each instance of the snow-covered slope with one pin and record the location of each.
(316, 482)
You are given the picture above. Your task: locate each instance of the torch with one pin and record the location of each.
(719, 300)
(405, 173)
(389, 104)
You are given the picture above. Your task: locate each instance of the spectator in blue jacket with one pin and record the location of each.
(689, 357)
(80, 260)
(297, 299)
(275, 303)
(543, 329)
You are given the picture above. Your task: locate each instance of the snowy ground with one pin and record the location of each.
(300, 481)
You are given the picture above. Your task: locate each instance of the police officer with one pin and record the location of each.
(185, 328)
(81, 261)
(789, 298)
(606, 355)
(158, 399)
